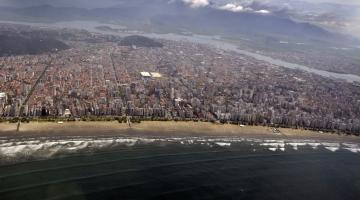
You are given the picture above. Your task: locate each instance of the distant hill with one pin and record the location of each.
(160, 16)
(139, 41)
(15, 44)
(175, 17)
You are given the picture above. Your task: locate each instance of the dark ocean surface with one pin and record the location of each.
(180, 169)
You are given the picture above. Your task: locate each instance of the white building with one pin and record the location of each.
(2, 95)
(67, 113)
(145, 74)
(156, 75)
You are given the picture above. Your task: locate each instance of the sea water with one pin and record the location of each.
(177, 168)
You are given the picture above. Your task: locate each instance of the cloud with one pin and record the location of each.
(242, 8)
(232, 7)
(263, 11)
(197, 3)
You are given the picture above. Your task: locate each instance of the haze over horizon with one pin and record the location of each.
(344, 17)
(109, 3)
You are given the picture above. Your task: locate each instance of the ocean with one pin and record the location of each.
(86, 168)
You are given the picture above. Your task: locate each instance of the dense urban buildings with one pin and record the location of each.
(176, 80)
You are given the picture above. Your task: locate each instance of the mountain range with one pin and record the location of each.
(177, 16)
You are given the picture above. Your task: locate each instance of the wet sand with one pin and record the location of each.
(168, 129)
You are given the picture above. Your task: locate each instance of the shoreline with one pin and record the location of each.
(162, 129)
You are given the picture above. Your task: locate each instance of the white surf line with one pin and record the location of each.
(13, 147)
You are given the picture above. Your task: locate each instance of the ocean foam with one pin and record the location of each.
(354, 150)
(331, 146)
(272, 149)
(223, 144)
(296, 145)
(47, 147)
(274, 145)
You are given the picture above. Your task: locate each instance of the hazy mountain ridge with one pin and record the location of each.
(139, 41)
(17, 45)
(180, 17)
(36, 42)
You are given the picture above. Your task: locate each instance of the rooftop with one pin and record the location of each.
(156, 75)
(145, 74)
(2, 95)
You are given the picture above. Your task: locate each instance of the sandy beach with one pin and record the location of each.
(181, 129)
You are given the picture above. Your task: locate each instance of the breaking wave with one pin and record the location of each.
(17, 149)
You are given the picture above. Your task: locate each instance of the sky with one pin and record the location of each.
(355, 2)
(107, 3)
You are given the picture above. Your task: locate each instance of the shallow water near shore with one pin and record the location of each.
(177, 168)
